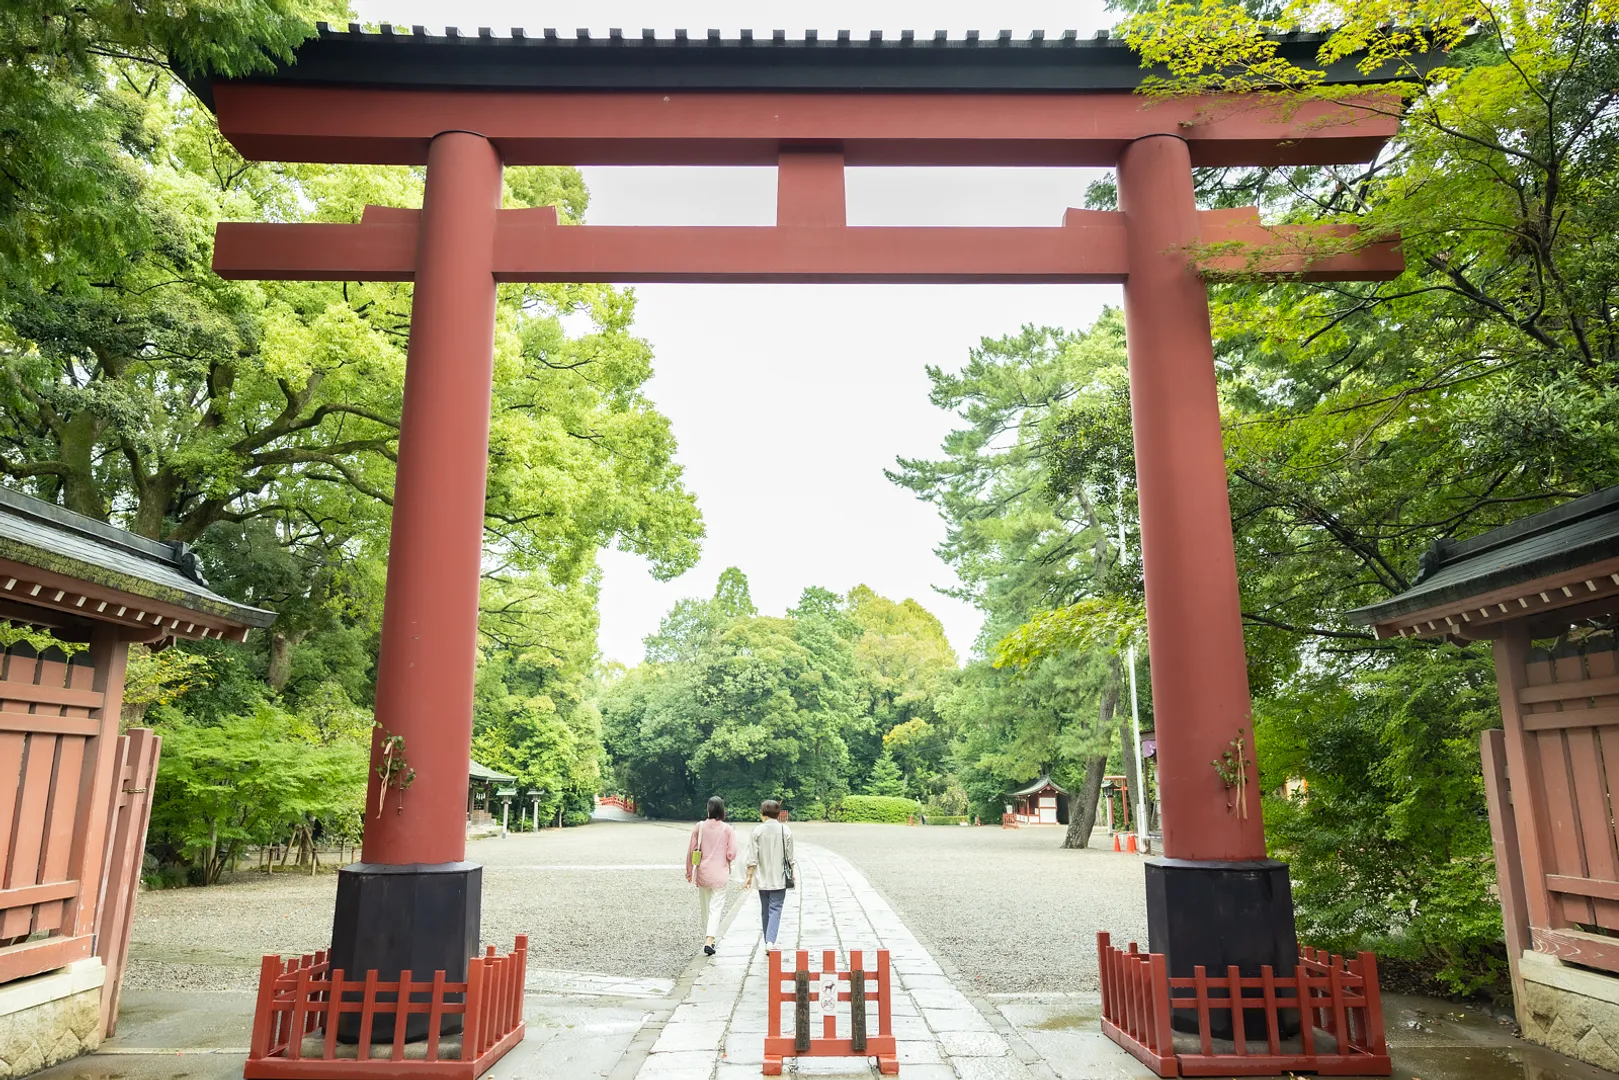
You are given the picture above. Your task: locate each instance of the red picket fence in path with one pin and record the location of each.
(799, 985)
(301, 1002)
(623, 802)
(1334, 996)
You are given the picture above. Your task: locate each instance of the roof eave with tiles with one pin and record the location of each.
(750, 60)
(60, 566)
(1560, 564)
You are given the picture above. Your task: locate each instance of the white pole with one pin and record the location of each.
(505, 816)
(1141, 762)
(1135, 717)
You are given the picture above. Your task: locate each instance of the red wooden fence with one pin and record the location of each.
(134, 771)
(295, 1033)
(799, 985)
(1339, 998)
(57, 747)
(1560, 742)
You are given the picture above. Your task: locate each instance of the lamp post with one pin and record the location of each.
(506, 796)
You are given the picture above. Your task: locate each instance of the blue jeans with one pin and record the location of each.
(770, 901)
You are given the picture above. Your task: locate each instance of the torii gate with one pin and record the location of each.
(466, 107)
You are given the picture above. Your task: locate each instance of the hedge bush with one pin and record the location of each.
(948, 819)
(879, 809)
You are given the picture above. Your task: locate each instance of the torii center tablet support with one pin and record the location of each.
(1213, 898)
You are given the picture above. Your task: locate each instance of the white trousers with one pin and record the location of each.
(710, 905)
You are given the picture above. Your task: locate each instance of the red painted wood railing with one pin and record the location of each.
(1339, 998)
(784, 990)
(304, 997)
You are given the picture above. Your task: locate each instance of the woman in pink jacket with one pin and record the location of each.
(709, 855)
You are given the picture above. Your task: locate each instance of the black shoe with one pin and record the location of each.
(708, 949)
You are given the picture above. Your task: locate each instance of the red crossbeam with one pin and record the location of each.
(277, 122)
(531, 246)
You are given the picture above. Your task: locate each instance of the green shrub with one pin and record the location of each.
(576, 817)
(948, 819)
(167, 877)
(810, 811)
(880, 809)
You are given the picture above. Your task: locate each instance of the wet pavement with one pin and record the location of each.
(705, 1020)
(1436, 1040)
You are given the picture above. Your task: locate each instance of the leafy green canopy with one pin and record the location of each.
(838, 695)
(259, 420)
(71, 133)
(247, 780)
(1364, 421)
(1033, 535)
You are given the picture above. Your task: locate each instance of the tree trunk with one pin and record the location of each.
(79, 490)
(1082, 808)
(153, 507)
(1082, 818)
(280, 669)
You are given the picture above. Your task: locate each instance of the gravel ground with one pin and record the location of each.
(608, 898)
(1009, 908)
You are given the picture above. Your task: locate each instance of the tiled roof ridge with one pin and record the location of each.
(776, 38)
(171, 553)
(1561, 516)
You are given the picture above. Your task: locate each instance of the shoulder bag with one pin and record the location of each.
(786, 863)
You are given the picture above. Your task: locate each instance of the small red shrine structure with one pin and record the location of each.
(1544, 591)
(468, 105)
(75, 792)
(1040, 803)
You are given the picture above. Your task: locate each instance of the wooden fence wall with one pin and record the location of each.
(134, 773)
(58, 745)
(1557, 792)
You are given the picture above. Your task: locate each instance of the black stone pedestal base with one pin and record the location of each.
(1216, 914)
(419, 918)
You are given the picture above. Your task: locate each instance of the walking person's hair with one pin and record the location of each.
(716, 808)
(770, 808)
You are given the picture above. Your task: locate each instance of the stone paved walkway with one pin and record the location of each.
(717, 1031)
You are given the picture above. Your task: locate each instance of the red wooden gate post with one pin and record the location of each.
(1202, 909)
(430, 614)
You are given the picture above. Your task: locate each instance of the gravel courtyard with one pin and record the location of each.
(1007, 908)
(1012, 911)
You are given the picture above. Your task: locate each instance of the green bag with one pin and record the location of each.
(697, 853)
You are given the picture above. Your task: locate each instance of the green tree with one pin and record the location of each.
(248, 780)
(258, 421)
(691, 624)
(904, 663)
(885, 777)
(1029, 534)
(68, 189)
(1365, 422)
(745, 706)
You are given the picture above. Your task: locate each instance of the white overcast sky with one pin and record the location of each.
(789, 400)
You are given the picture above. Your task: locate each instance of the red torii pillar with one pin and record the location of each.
(413, 902)
(1214, 899)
